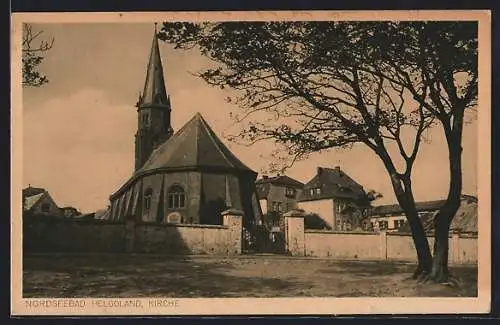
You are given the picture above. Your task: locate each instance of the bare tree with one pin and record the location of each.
(34, 49)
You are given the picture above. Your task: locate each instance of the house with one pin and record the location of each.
(70, 212)
(189, 176)
(277, 195)
(391, 217)
(37, 201)
(335, 198)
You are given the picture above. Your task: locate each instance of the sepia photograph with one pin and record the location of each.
(251, 163)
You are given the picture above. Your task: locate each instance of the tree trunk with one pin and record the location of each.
(439, 271)
(419, 237)
(443, 219)
(407, 202)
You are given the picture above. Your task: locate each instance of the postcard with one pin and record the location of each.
(251, 163)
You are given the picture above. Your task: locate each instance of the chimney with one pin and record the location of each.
(264, 177)
(319, 170)
(337, 168)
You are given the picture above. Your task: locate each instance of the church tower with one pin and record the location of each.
(153, 108)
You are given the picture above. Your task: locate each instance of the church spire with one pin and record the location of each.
(154, 92)
(153, 108)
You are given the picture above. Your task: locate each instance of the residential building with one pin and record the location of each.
(338, 200)
(70, 212)
(37, 201)
(277, 195)
(391, 218)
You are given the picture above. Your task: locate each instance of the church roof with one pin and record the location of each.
(194, 147)
(154, 87)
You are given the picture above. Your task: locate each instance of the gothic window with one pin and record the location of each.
(176, 197)
(147, 198)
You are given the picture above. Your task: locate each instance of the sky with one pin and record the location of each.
(78, 130)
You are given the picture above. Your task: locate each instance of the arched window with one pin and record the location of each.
(176, 197)
(147, 198)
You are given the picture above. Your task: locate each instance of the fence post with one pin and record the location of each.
(129, 234)
(383, 245)
(295, 237)
(233, 219)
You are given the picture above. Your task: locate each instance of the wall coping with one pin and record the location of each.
(233, 212)
(295, 214)
(337, 232)
(181, 225)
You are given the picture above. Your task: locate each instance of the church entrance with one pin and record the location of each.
(262, 239)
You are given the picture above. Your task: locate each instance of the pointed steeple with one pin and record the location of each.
(154, 92)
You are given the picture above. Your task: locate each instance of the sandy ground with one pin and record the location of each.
(245, 276)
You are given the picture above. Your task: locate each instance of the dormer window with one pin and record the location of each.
(290, 192)
(315, 191)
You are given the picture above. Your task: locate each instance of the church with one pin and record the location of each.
(189, 176)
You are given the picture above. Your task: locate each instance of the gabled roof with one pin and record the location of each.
(194, 147)
(30, 201)
(280, 180)
(334, 183)
(30, 191)
(263, 184)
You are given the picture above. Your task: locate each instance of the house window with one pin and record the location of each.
(338, 224)
(280, 207)
(290, 192)
(274, 206)
(315, 191)
(176, 197)
(382, 225)
(45, 207)
(340, 206)
(147, 198)
(398, 223)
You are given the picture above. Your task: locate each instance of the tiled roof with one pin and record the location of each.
(396, 208)
(280, 180)
(334, 183)
(30, 191)
(194, 146)
(263, 185)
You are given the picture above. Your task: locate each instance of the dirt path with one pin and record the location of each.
(256, 276)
